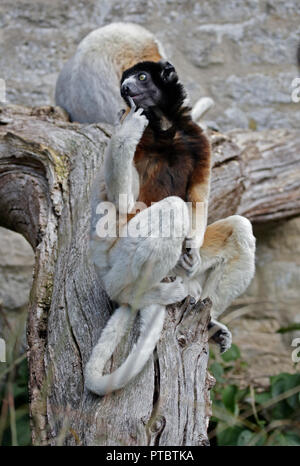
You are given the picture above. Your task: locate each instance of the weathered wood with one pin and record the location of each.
(256, 174)
(46, 168)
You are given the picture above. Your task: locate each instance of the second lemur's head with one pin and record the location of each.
(153, 85)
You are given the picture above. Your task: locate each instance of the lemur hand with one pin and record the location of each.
(135, 123)
(190, 260)
(133, 126)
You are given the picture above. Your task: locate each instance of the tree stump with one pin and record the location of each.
(47, 165)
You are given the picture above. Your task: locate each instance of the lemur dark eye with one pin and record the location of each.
(142, 77)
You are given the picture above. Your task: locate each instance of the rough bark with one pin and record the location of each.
(46, 168)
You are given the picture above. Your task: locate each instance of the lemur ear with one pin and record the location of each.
(168, 73)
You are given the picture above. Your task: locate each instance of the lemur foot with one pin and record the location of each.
(220, 334)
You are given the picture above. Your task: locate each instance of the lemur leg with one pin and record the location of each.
(227, 267)
(138, 264)
(163, 294)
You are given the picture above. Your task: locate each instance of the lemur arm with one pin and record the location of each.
(121, 177)
(197, 197)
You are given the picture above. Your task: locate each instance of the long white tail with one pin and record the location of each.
(152, 320)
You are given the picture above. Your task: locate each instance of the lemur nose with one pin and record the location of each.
(124, 89)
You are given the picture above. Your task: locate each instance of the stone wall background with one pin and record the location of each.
(239, 52)
(271, 302)
(16, 267)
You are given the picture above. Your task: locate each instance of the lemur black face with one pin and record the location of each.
(141, 88)
(153, 85)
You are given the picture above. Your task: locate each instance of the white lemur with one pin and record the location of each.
(88, 85)
(159, 155)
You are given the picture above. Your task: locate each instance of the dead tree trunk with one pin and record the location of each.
(46, 168)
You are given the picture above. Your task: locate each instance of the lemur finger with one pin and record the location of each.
(132, 104)
(191, 265)
(188, 259)
(139, 111)
(190, 268)
(185, 264)
(195, 263)
(120, 114)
